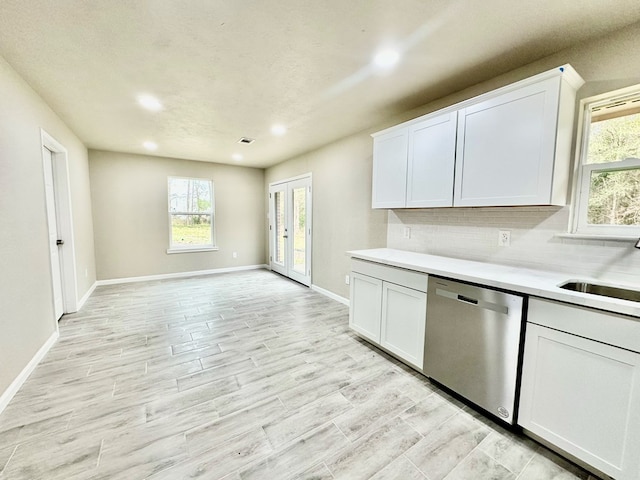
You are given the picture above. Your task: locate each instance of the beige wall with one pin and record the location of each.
(342, 216)
(129, 198)
(345, 220)
(25, 279)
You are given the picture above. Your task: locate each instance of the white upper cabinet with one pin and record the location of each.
(507, 148)
(390, 169)
(510, 146)
(431, 160)
(413, 165)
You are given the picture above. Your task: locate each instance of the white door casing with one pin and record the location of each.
(60, 224)
(52, 223)
(290, 220)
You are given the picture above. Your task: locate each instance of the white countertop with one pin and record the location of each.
(539, 283)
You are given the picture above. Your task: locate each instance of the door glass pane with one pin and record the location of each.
(299, 228)
(279, 227)
(614, 198)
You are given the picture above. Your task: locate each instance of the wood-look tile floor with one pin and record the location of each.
(242, 376)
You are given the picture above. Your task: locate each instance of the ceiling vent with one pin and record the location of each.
(246, 140)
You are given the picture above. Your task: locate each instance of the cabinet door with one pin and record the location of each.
(365, 306)
(404, 313)
(506, 148)
(584, 397)
(431, 160)
(390, 169)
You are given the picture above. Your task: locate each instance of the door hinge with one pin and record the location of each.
(269, 227)
(269, 195)
(271, 259)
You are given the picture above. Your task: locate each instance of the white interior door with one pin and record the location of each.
(290, 228)
(52, 222)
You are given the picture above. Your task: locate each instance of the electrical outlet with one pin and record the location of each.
(504, 238)
(235, 254)
(346, 280)
(407, 232)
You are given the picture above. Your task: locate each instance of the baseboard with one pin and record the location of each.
(166, 276)
(86, 296)
(327, 293)
(10, 392)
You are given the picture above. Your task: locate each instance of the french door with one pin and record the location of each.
(290, 228)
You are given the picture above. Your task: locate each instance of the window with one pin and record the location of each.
(608, 178)
(191, 217)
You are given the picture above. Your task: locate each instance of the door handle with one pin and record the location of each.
(59, 242)
(285, 236)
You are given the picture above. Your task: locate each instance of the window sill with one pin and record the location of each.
(171, 251)
(592, 236)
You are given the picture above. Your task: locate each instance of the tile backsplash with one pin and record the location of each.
(472, 233)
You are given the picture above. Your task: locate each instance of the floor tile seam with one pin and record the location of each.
(463, 459)
(292, 442)
(315, 399)
(437, 425)
(469, 414)
(237, 412)
(163, 417)
(428, 396)
(362, 439)
(415, 466)
(73, 413)
(524, 469)
(433, 440)
(4, 468)
(100, 453)
(397, 416)
(362, 380)
(517, 474)
(211, 369)
(324, 462)
(256, 461)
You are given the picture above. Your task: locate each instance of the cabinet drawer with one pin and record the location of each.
(605, 327)
(399, 276)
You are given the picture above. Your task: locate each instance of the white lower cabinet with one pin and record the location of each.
(403, 322)
(388, 307)
(579, 394)
(364, 310)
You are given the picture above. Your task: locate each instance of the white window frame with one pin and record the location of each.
(583, 171)
(195, 248)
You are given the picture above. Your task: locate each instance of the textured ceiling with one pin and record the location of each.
(226, 69)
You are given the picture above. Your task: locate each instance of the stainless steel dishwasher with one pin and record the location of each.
(472, 343)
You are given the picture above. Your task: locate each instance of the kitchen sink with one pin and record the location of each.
(602, 290)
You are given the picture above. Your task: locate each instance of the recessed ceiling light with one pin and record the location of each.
(278, 130)
(386, 58)
(150, 146)
(237, 157)
(149, 102)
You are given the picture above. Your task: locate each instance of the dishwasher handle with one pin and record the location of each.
(474, 302)
(464, 299)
